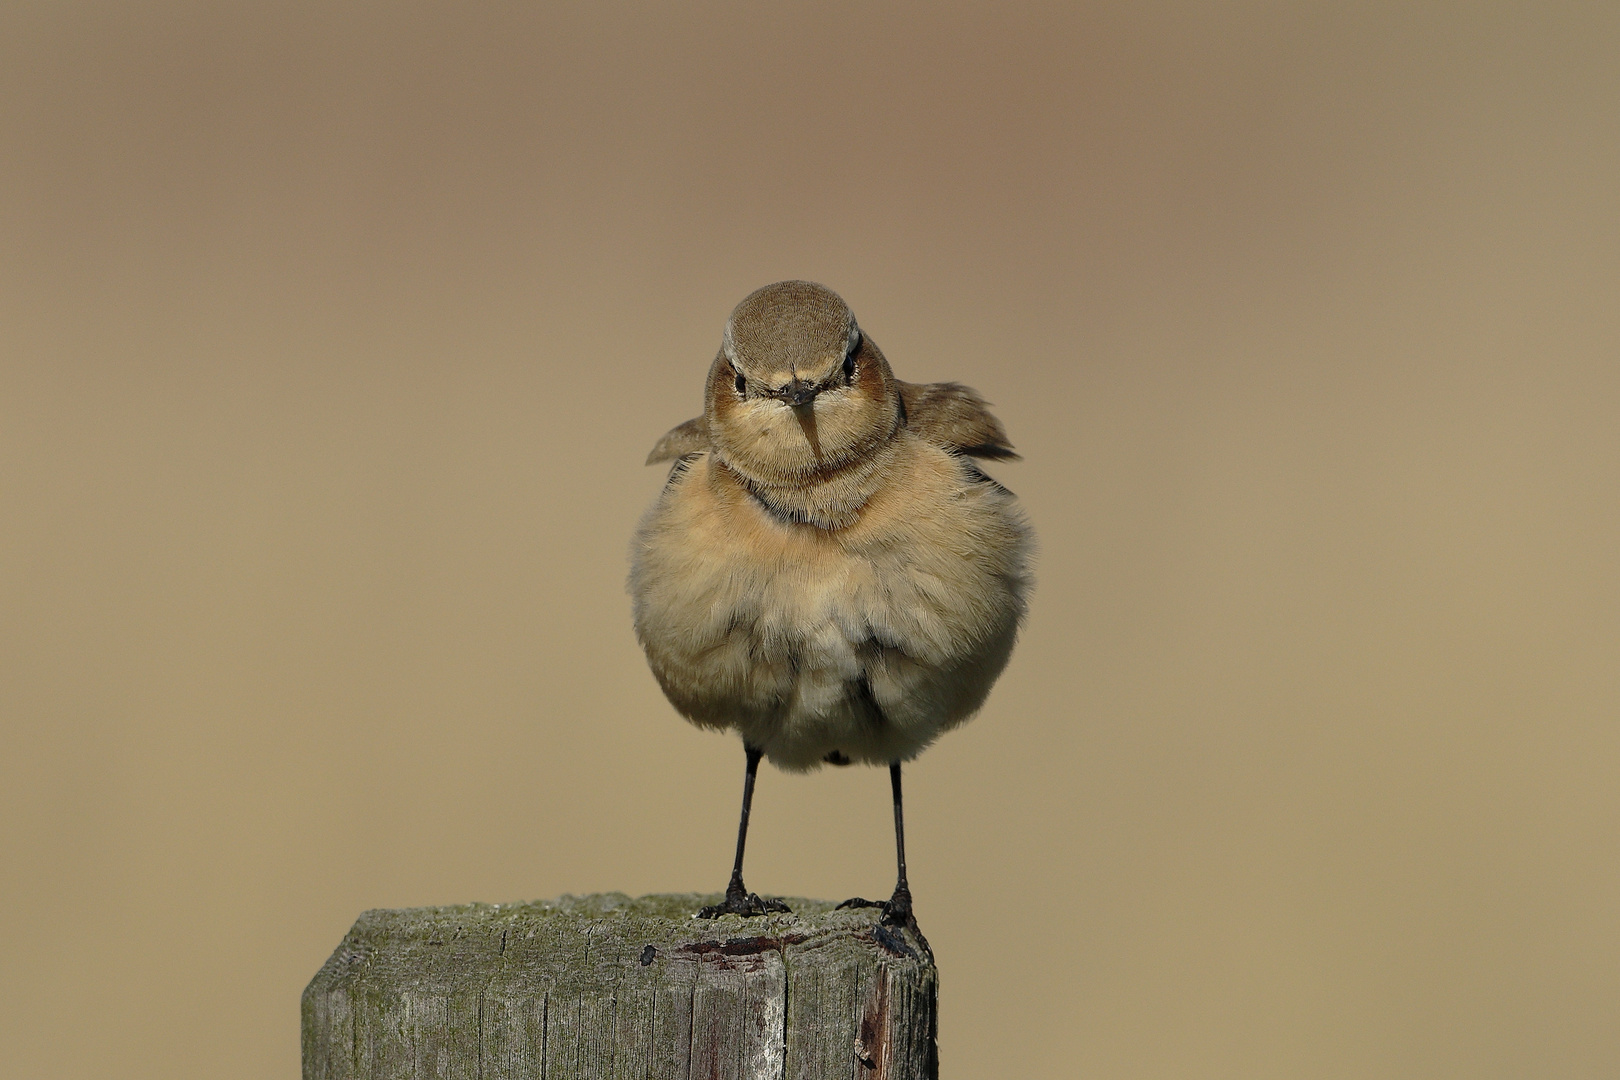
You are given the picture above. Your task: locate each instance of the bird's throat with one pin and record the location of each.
(830, 500)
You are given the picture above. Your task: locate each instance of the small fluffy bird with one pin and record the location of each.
(826, 571)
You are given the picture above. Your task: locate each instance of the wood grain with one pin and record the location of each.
(609, 986)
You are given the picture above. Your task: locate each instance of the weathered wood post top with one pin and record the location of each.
(609, 986)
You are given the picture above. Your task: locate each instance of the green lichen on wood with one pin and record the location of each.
(614, 986)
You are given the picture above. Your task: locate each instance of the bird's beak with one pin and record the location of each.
(798, 393)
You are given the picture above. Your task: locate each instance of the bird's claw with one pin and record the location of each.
(897, 914)
(896, 910)
(741, 902)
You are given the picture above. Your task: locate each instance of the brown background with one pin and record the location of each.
(334, 335)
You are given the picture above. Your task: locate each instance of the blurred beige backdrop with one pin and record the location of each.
(332, 337)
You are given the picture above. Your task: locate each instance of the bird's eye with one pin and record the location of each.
(742, 386)
(849, 367)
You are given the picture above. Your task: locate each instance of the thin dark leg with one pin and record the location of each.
(897, 912)
(739, 901)
(898, 909)
(736, 886)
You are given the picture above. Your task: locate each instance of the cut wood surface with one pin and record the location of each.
(609, 986)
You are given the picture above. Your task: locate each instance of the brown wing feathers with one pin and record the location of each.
(951, 415)
(682, 439)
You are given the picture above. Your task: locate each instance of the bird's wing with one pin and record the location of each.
(953, 416)
(682, 439)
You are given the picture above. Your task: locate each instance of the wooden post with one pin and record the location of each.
(607, 986)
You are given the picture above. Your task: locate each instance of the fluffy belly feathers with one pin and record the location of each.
(868, 640)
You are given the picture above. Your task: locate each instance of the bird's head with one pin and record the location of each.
(798, 392)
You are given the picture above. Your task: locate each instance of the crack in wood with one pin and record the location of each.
(469, 991)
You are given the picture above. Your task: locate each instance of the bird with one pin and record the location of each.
(827, 571)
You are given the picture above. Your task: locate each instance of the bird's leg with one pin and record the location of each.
(735, 889)
(897, 912)
(739, 901)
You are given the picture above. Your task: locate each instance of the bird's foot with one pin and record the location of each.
(891, 928)
(739, 901)
(858, 901)
(896, 911)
